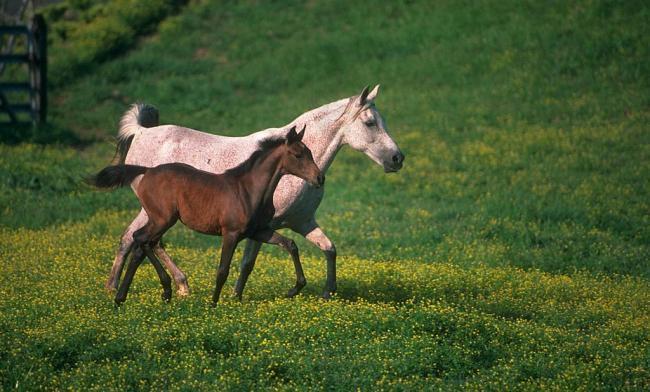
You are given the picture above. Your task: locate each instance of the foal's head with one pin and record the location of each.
(297, 159)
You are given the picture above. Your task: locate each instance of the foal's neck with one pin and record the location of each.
(263, 177)
(323, 137)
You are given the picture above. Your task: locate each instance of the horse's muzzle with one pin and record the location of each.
(396, 164)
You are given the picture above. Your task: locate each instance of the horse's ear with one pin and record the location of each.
(292, 136)
(363, 96)
(302, 133)
(373, 94)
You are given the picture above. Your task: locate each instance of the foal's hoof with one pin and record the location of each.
(166, 296)
(294, 291)
(329, 294)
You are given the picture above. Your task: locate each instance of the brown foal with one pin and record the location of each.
(237, 204)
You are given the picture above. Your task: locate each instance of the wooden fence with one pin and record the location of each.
(34, 54)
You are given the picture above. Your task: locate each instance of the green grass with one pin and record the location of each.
(511, 252)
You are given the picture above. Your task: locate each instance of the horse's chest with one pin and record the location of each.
(294, 208)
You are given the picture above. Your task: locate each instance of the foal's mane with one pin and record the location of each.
(264, 147)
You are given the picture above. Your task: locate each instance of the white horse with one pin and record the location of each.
(353, 121)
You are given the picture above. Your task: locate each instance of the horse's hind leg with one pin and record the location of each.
(126, 245)
(182, 287)
(271, 237)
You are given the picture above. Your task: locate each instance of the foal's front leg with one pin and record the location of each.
(228, 246)
(271, 237)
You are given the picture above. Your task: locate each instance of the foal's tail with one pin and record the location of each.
(117, 176)
(139, 115)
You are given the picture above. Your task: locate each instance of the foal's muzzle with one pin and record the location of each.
(320, 180)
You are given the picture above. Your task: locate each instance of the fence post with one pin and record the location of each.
(39, 69)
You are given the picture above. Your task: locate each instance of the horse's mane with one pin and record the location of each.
(264, 147)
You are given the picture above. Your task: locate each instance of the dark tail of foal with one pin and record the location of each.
(116, 176)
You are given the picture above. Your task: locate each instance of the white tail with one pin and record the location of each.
(139, 115)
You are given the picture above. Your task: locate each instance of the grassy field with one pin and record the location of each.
(511, 252)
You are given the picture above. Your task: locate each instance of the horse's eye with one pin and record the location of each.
(370, 122)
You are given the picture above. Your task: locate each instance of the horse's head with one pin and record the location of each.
(365, 130)
(298, 160)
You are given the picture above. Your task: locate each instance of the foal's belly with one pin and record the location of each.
(211, 228)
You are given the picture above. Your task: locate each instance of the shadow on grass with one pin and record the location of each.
(41, 134)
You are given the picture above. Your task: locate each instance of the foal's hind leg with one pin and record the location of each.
(126, 245)
(271, 237)
(150, 235)
(136, 259)
(165, 280)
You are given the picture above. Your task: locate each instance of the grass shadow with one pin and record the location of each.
(40, 134)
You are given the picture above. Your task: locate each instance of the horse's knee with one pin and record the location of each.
(330, 250)
(290, 245)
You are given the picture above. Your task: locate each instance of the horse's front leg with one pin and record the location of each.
(313, 233)
(271, 237)
(228, 246)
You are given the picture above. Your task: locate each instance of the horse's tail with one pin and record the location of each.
(117, 176)
(139, 115)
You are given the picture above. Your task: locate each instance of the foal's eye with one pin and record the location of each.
(299, 155)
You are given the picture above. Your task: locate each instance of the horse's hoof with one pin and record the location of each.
(329, 295)
(183, 291)
(293, 292)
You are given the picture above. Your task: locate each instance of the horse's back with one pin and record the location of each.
(170, 143)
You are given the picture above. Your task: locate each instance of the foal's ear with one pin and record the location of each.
(302, 133)
(292, 136)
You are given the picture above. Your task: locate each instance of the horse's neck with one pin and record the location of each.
(322, 135)
(262, 178)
